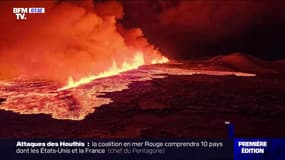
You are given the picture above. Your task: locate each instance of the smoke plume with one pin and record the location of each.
(71, 39)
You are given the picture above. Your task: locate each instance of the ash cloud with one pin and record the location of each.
(215, 18)
(73, 38)
(193, 28)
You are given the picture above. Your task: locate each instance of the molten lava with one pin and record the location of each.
(79, 41)
(160, 61)
(30, 96)
(137, 61)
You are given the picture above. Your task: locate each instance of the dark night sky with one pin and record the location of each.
(200, 28)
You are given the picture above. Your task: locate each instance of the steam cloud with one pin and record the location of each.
(71, 39)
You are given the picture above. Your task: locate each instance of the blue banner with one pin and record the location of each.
(259, 149)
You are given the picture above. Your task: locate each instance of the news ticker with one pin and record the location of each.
(142, 149)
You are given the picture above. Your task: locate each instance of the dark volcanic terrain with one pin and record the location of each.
(195, 103)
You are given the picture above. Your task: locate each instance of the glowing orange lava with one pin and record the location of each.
(137, 61)
(160, 61)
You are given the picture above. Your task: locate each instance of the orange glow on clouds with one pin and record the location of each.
(74, 41)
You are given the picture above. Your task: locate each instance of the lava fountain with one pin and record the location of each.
(136, 61)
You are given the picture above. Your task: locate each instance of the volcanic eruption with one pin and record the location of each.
(77, 40)
(62, 62)
(70, 45)
(86, 69)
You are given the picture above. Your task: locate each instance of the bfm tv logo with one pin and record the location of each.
(22, 12)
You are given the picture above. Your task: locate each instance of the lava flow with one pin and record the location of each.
(80, 42)
(137, 61)
(26, 96)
